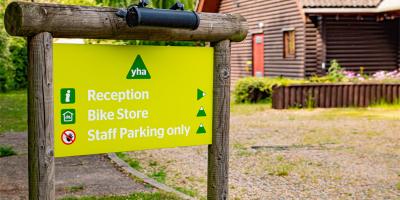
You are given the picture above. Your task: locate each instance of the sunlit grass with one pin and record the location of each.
(248, 109)
(382, 111)
(13, 111)
(388, 112)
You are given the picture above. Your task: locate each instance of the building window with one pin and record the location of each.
(289, 41)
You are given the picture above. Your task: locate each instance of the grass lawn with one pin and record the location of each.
(297, 153)
(379, 111)
(13, 111)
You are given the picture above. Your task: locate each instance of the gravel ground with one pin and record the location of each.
(295, 154)
(75, 176)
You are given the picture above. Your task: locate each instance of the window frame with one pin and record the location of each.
(289, 43)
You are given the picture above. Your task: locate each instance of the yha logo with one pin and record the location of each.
(138, 70)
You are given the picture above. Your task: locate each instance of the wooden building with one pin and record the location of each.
(299, 38)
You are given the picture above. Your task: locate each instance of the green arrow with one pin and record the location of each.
(200, 94)
(138, 70)
(201, 129)
(201, 112)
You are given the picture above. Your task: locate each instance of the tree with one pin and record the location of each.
(6, 71)
(189, 4)
(13, 51)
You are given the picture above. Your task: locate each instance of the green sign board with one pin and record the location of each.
(111, 98)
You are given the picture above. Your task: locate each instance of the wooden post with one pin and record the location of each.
(37, 21)
(40, 118)
(218, 151)
(71, 21)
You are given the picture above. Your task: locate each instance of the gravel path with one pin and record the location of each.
(296, 154)
(75, 176)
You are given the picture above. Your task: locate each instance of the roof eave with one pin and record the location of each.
(389, 6)
(384, 6)
(339, 10)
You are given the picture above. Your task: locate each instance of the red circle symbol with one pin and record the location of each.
(68, 137)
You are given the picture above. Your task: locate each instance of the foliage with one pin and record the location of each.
(189, 4)
(13, 51)
(186, 191)
(384, 104)
(13, 63)
(6, 151)
(5, 62)
(253, 90)
(68, 2)
(164, 4)
(335, 72)
(116, 3)
(159, 175)
(19, 60)
(135, 164)
(13, 58)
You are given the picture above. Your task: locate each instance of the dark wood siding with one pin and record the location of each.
(315, 46)
(276, 15)
(312, 46)
(398, 44)
(334, 95)
(362, 42)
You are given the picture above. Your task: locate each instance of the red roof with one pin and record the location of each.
(213, 5)
(208, 6)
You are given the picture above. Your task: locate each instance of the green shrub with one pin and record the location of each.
(19, 60)
(255, 90)
(250, 90)
(7, 151)
(335, 72)
(5, 62)
(13, 58)
(13, 63)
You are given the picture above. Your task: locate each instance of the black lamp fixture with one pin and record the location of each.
(175, 17)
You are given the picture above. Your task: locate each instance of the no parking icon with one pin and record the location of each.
(68, 137)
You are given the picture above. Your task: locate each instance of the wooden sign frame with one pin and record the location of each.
(41, 22)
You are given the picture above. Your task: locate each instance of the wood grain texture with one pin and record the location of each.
(218, 151)
(276, 15)
(334, 95)
(40, 118)
(363, 43)
(67, 21)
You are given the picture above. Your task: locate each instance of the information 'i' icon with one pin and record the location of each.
(67, 95)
